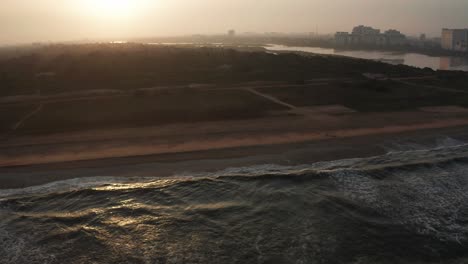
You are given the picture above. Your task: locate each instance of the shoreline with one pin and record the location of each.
(340, 50)
(406, 50)
(213, 160)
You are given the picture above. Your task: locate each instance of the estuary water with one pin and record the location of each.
(410, 59)
(407, 206)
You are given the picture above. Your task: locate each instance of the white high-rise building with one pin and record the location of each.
(455, 39)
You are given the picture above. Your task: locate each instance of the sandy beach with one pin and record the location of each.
(211, 146)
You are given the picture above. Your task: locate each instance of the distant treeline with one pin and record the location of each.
(59, 68)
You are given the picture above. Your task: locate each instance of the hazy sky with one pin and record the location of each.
(51, 20)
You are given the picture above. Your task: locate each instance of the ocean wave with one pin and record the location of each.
(402, 207)
(446, 151)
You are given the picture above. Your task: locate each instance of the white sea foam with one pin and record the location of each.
(428, 200)
(61, 186)
(15, 249)
(446, 149)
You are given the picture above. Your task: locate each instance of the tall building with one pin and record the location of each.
(455, 39)
(422, 37)
(342, 38)
(394, 37)
(368, 36)
(232, 33)
(363, 30)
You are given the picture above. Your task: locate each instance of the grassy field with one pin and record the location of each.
(367, 96)
(457, 84)
(144, 110)
(58, 69)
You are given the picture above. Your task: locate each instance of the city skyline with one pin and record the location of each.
(53, 20)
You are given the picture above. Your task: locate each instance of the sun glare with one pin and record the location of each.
(113, 8)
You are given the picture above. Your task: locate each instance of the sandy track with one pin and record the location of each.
(78, 151)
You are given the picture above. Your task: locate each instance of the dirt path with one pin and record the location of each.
(65, 97)
(88, 95)
(271, 98)
(28, 116)
(414, 78)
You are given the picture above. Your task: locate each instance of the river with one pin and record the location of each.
(410, 59)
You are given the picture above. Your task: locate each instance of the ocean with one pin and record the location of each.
(407, 206)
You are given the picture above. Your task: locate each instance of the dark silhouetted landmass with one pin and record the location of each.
(116, 103)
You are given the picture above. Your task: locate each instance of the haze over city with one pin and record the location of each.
(56, 20)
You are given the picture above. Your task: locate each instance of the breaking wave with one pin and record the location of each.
(408, 206)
